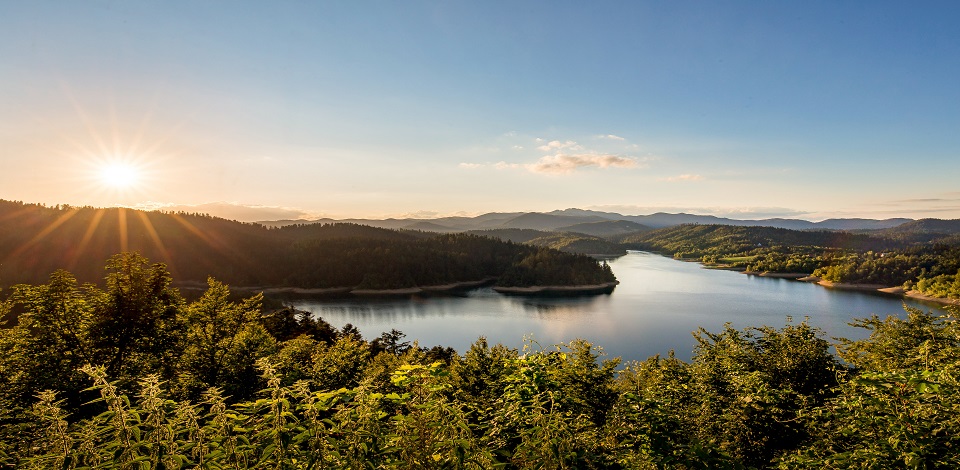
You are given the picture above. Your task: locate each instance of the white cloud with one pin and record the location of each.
(564, 156)
(557, 145)
(684, 177)
(563, 163)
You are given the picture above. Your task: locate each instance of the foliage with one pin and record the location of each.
(902, 408)
(223, 340)
(550, 268)
(36, 240)
(696, 241)
(578, 243)
(946, 286)
(922, 255)
(211, 386)
(893, 268)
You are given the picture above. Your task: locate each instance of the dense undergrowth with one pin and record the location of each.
(214, 383)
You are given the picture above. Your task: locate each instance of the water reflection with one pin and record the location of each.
(657, 305)
(548, 308)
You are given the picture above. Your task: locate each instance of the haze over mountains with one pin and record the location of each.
(577, 220)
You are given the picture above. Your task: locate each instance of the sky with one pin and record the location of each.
(269, 110)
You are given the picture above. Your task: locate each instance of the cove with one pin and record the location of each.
(657, 305)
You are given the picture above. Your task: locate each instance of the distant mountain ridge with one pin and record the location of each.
(564, 220)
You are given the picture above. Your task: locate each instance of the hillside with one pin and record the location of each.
(923, 229)
(427, 226)
(606, 228)
(36, 240)
(515, 235)
(698, 240)
(538, 221)
(578, 243)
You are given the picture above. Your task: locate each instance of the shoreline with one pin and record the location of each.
(857, 287)
(603, 288)
(896, 290)
(920, 296)
(606, 287)
(795, 276)
(803, 277)
(435, 289)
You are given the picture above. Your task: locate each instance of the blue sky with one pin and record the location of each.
(372, 109)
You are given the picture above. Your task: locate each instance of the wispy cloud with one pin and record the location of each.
(563, 163)
(684, 177)
(560, 163)
(948, 199)
(565, 157)
(554, 145)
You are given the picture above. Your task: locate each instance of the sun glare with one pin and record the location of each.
(119, 175)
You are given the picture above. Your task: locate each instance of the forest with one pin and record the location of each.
(36, 240)
(129, 374)
(923, 256)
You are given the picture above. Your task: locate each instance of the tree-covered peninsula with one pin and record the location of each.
(922, 257)
(36, 240)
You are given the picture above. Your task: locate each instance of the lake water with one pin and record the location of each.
(657, 305)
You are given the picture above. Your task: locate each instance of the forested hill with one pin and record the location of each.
(695, 241)
(608, 228)
(36, 240)
(921, 256)
(924, 230)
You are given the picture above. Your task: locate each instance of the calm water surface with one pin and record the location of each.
(657, 305)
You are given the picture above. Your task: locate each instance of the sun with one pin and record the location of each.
(119, 175)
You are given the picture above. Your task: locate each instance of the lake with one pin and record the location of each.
(657, 305)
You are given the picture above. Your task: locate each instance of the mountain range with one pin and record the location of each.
(578, 220)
